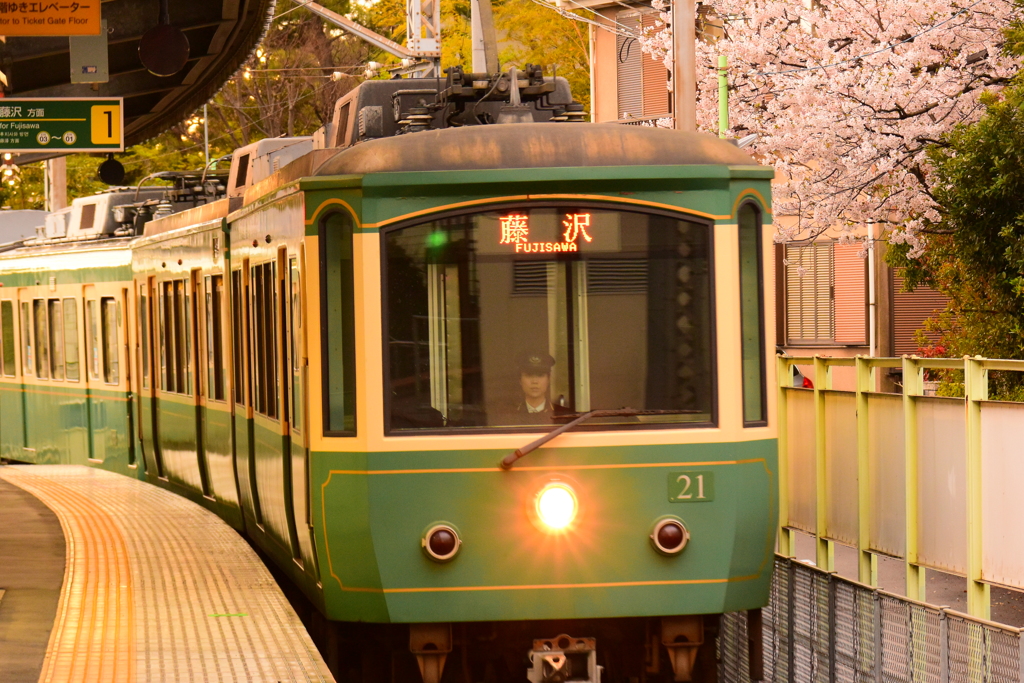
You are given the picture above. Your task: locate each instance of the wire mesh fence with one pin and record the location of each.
(822, 628)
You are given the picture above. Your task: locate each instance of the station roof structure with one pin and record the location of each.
(221, 35)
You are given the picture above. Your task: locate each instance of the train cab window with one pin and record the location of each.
(42, 337)
(215, 337)
(26, 339)
(523, 317)
(7, 337)
(338, 335)
(92, 324)
(752, 316)
(56, 339)
(111, 317)
(71, 340)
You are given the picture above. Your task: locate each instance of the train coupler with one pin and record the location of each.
(682, 637)
(564, 659)
(431, 644)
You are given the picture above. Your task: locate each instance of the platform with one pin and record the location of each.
(155, 588)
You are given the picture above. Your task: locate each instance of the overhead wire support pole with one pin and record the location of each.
(684, 65)
(375, 39)
(723, 96)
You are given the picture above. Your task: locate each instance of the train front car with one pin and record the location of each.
(482, 287)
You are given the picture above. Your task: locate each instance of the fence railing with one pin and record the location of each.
(822, 628)
(934, 481)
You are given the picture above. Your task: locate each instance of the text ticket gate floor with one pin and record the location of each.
(155, 588)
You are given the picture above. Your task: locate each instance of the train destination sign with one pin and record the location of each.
(50, 18)
(62, 125)
(515, 231)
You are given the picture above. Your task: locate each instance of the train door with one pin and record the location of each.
(243, 376)
(292, 475)
(129, 376)
(93, 370)
(200, 395)
(149, 362)
(15, 434)
(296, 370)
(12, 414)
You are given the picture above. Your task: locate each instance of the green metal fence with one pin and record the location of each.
(934, 481)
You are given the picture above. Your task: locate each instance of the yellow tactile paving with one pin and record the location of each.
(92, 637)
(159, 589)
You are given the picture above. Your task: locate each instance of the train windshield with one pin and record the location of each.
(526, 317)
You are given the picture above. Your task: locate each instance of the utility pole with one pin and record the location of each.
(206, 138)
(484, 37)
(684, 65)
(56, 185)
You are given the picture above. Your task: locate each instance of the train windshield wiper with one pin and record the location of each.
(577, 419)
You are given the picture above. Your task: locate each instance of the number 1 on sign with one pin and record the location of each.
(105, 123)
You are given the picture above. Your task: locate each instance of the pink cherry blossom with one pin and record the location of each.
(845, 120)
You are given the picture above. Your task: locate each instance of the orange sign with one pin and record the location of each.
(50, 18)
(515, 230)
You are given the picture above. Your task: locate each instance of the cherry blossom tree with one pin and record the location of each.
(847, 96)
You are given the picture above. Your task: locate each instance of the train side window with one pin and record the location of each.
(92, 323)
(7, 326)
(236, 336)
(71, 340)
(188, 322)
(144, 334)
(264, 339)
(178, 334)
(295, 309)
(338, 337)
(214, 337)
(26, 339)
(752, 316)
(111, 366)
(56, 339)
(42, 337)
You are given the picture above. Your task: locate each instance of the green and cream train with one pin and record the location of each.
(492, 393)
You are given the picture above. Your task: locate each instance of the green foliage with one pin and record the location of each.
(975, 251)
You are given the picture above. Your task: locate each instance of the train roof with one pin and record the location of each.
(534, 145)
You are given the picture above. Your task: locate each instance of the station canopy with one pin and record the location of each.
(221, 36)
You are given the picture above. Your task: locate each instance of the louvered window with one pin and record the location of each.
(617, 276)
(642, 81)
(809, 310)
(604, 276)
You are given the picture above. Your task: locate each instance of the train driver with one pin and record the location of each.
(535, 382)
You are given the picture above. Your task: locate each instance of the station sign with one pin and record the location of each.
(50, 18)
(62, 124)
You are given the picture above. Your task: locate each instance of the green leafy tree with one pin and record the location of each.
(975, 251)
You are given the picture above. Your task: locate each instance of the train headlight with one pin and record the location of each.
(557, 506)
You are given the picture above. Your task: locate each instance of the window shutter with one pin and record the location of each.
(809, 314)
(655, 77)
(850, 295)
(910, 310)
(629, 69)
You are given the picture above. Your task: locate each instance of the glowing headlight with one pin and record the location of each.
(556, 506)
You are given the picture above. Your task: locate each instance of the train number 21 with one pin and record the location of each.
(691, 487)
